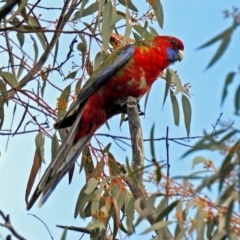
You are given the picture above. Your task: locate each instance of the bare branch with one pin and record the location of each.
(136, 184)
(7, 224)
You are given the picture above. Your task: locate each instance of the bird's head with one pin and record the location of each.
(174, 47)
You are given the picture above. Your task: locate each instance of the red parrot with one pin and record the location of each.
(129, 71)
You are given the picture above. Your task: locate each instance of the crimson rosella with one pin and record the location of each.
(129, 71)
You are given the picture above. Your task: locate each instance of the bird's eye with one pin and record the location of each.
(173, 42)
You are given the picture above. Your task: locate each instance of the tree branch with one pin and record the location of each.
(135, 182)
(7, 224)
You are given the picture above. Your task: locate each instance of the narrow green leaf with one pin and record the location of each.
(91, 9)
(39, 142)
(176, 80)
(128, 28)
(175, 108)
(78, 14)
(210, 227)
(71, 75)
(10, 79)
(21, 38)
(225, 34)
(158, 10)
(1, 112)
(129, 210)
(227, 166)
(3, 90)
(228, 81)
(187, 112)
(153, 32)
(55, 53)
(63, 100)
(64, 235)
(166, 211)
(106, 24)
(55, 145)
(143, 31)
(200, 224)
(156, 226)
(162, 205)
(92, 183)
(99, 58)
(168, 84)
(106, 149)
(220, 51)
(35, 47)
(128, 4)
(237, 101)
(152, 148)
(146, 100)
(21, 67)
(35, 25)
(114, 168)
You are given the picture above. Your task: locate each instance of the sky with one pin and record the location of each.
(194, 22)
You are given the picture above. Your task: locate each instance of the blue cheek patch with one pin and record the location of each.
(172, 55)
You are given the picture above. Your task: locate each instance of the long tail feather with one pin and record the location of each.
(65, 157)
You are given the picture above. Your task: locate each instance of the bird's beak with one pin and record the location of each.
(180, 55)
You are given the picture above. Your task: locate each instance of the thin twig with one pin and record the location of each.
(43, 224)
(7, 224)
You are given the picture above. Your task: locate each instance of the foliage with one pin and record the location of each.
(107, 200)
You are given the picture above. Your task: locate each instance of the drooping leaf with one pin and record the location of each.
(158, 10)
(153, 32)
(64, 234)
(167, 86)
(220, 51)
(91, 9)
(228, 81)
(152, 148)
(63, 102)
(113, 165)
(21, 67)
(143, 32)
(55, 146)
(106, 24)
(166, 211)
(157, 226)
(200, 224)
(3, 90)
(128, 4)
(99, 58)
(79, 13)
(92, 183)
(1, 112)
(21, 38)
(187, 112)
(33, 173)
(175, 108)
(34, 24)
(106, 149)
(10, 79)
(128, 28)
(35, 47)
(39, 142)
(228, 218)
(237, 101)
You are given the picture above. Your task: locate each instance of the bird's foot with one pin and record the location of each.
(123, 107)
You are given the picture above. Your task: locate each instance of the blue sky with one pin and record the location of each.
(194, 22)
